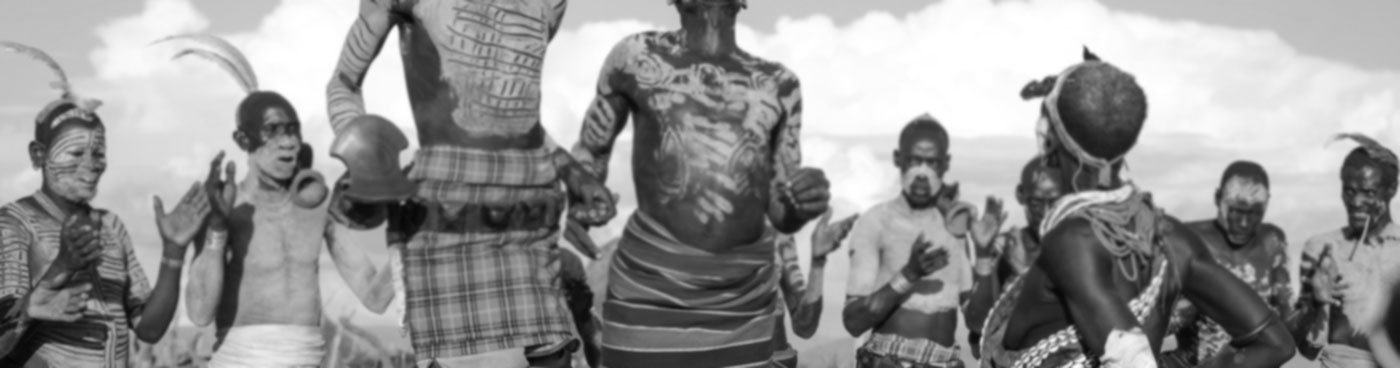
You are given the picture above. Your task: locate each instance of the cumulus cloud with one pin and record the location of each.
(1216, 94)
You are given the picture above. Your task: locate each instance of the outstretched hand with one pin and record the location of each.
(222, 191)
(985, 229)
(177, 228)
(924, 259)
(51, 301)
(827, 236)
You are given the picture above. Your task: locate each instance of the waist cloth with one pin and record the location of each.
(1343, 356)
(673, 305)
(921, 352)
(473, 291)
(270, 346)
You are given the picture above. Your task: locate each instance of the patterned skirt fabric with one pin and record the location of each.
(675, 306)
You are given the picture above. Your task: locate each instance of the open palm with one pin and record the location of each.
(827, 236)
(984, 230)
(179, 225)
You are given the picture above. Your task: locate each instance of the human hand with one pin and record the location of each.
(50, 301)
(924, 260)
(827, 237)
(80, 244)
(590, 202)
(985, 230)
(807, 193)
(178, 227)
(222, 191)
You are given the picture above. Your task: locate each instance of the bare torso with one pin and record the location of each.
(704, 139)
(1040, 310)
(272, 274)
(473, 67)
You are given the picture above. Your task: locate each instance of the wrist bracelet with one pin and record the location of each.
(901, 284)
(172, 263)
(985, 266)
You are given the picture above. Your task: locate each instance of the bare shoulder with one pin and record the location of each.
(1181, 237)
(1070, 243)
(1200, 226)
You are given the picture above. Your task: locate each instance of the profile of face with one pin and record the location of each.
(1240, 205)
(276, 145)
(73, 163)
(1039, 194)
(1366, 194)
(921, 167)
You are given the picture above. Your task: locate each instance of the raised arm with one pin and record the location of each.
(787, 152)
(1260, 338)
(608, 114)
(1083, 271)
(151, 310)
(1308, 320)
(373, 285)
(362, 44)
(206, 283)
(205, 287)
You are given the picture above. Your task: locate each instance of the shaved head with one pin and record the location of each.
(1103, 109)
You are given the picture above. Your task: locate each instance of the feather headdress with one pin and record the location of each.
(81, 107)
(1373, 148)
(219, 52)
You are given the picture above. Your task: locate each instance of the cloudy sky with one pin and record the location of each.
(1265, 80)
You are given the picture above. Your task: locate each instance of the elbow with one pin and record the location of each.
(149, 335)
(1279, 344)
(379, 303)
(850, 318)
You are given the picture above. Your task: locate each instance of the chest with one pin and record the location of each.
(1252, 264)
(726, 96)
(278, 231)
(899, 233)
(491, 34)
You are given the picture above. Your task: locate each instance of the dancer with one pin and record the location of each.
(478, 209)
(1112, 264)
(71, 290)
(1345, 272)
(716, 165)
(910, 267)
(1254, 251)
(256, 276)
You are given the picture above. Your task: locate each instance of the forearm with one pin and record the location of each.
(206, 280)
(978, 302)
(376, 290)
(160, 306)
(1270, 347)
(806, 315)
(1308, 325)
(344, 100)
(14, 320)
(865, 312)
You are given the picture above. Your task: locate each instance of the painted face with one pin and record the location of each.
(276, 157)
(74, 163)
(1365, 195)
(1039, 195)
(921, 168)
(1241, 208)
